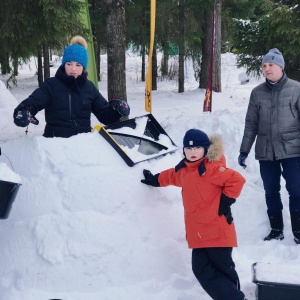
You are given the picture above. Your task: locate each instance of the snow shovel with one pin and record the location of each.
(138, 139)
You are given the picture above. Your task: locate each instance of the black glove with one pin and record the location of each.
(224, 208)
(150, 179)
(120, 106)
(21, 117)
(242, 160)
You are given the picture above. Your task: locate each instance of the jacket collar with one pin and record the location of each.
(70, 81)
(279, 84)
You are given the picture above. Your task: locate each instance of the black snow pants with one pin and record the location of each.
(215, 271)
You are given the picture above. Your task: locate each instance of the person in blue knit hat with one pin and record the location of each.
(273, 120)
(76, 52)
(69, 98)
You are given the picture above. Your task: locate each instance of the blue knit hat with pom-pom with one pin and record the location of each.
(76, 52)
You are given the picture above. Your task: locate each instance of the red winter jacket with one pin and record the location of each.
(201, 197)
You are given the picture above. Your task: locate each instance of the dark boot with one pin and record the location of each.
(276, 222)
(295, 220)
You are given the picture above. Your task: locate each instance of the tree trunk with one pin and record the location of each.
(4, 62)
(115, 28)
(165, 63)
(98, 59)
(46, 61)
(97, 51)
(96, 40)
(40, 67)
(181, 47)
(216, 76)
(143, 63)
(12, 78)
(206, 46)
(154, 69)
(15, 67)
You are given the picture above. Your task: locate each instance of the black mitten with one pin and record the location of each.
(150, 179)
(120, 106)
(21, 117)
(224, 208)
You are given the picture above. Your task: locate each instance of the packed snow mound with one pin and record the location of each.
(69, 221)
(84, 227)
(8, 101)
(7, 105)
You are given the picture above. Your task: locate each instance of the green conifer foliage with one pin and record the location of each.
(276, 24)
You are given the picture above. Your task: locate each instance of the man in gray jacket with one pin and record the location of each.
(273, 119)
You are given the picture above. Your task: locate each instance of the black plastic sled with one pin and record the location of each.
(8, 193)
(138, 139)
(270, 290)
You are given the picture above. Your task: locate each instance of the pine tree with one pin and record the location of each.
(275, 24)
(28, 25)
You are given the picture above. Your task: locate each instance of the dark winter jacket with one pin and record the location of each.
(68, 104)
(201, 195)
(273, 117)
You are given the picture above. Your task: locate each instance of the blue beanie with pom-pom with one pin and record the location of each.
(76, 52)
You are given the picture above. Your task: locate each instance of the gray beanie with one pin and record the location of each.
(274, 56)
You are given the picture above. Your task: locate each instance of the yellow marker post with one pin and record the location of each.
(148, 89)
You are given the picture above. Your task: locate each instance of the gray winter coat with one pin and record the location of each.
(273, 118)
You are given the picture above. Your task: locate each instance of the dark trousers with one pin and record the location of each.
(215, 271)
(271, 172)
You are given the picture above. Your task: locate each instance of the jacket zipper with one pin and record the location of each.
(70, 109)
(70, 106)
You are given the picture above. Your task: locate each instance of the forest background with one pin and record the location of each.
(183, 28)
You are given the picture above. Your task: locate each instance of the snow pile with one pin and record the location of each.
(83, 226)
(277, 273)
(6, 174)
(8, 101)
(7, 105)
(85, 222)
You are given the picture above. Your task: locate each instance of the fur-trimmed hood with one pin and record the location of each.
(216, 149)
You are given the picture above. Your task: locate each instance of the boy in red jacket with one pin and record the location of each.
(209, 188)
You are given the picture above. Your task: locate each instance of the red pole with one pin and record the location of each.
(208, 93)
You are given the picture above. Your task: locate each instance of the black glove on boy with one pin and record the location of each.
(224, 208)
(150, 179)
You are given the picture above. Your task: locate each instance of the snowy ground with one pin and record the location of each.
(84, 227)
